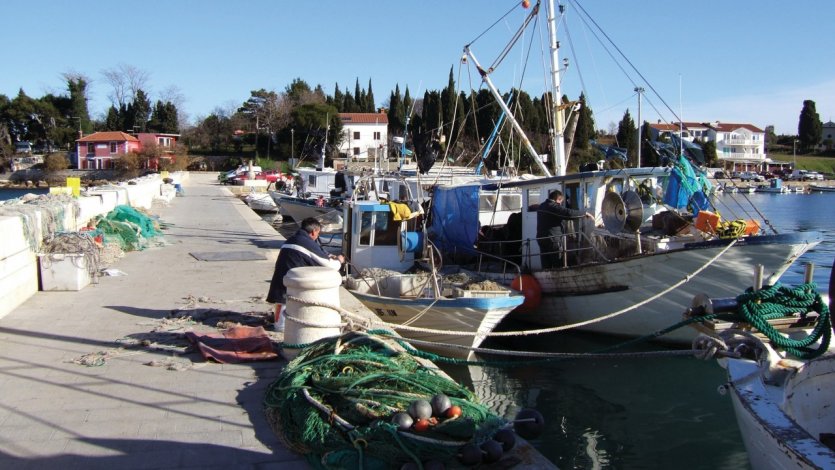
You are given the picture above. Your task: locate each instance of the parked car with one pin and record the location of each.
(24, 147)
(805, 175)
(751, 176)
(768, 175)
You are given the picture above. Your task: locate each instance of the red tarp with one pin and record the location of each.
(236, 344)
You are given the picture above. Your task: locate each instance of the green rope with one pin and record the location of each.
(772, 302)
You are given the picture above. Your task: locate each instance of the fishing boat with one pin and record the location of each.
(822, 188)
(646, 254)
(783, 404)
(260, 202)
(438, 309)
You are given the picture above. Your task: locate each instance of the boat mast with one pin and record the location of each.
(485, 75)
(558, 136)
(321, 164)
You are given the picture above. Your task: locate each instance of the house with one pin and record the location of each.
(365, 136)
(739, 147)
(827, 135)
(100, 150)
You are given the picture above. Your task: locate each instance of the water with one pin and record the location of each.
(7, 193)
(643, 413)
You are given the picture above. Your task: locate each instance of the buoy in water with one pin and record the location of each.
(529, 423)
(529, 287)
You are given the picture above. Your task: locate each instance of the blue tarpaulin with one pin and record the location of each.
(455, 218)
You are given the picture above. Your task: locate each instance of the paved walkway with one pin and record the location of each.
(55, 413)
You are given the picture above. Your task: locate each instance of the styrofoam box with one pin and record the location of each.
(63, 272)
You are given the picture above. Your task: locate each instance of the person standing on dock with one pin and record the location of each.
(549, 227)
(301, 249)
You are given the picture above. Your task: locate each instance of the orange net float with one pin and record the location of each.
(526, 4)
(530, 288)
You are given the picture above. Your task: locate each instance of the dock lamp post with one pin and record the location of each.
(794, 153)
(292, 144)
(639, 91)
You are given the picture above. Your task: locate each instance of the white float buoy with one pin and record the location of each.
(310, 284)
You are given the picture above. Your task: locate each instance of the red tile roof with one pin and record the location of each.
(364, 118)
(108, 136)
(728, 127)
(664, 127)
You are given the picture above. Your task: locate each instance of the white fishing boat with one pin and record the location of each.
(382, 241)
(783, 404)
(260, 202)
(630, 272)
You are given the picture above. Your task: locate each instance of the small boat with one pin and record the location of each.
(775, 186)
(261, 202)
(782, 395)
(822, 188)
(382, 242)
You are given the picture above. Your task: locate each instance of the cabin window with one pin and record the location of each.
(534, 199)
(311, 181)
(377, 229)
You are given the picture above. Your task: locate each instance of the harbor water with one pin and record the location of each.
(643, 413)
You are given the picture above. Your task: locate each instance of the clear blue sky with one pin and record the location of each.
(732, 61)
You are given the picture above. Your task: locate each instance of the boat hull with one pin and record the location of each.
(776, 433)
(462, 314)
(583, 293)
(300, 209)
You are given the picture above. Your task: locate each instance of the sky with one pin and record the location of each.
(740, 61)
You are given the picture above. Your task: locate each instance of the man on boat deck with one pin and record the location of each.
(549, 227)
(302, 249)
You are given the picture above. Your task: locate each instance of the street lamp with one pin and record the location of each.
(794, 153)
(292, 143)
(639, 91)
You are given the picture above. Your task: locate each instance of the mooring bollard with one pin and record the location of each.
(311, 285)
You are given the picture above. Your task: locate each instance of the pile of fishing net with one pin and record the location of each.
(42, 215)
(356, 401)
(127, 227)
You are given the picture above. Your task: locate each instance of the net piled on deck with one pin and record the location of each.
(334, 403)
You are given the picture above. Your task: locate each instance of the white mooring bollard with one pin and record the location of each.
(316, 284)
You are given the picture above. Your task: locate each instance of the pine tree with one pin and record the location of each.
(396, 114)
(809, 127)
(627, 136)
(358, 97)
(113, 121)
(370, 105)
(448, 104)
(585, 125)
(338, 99)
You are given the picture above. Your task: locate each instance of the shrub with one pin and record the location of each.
(55, 162)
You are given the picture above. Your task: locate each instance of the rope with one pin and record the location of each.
(757, 307)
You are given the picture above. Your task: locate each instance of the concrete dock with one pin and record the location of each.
(74, 396)
(55, 413)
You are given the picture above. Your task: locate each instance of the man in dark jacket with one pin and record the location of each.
(302, 249)
(549, 227)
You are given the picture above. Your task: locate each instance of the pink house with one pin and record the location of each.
(99, 150)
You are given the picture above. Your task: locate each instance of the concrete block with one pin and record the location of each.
(11, 232)
(17, 287)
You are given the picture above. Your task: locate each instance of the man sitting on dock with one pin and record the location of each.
(301, 249)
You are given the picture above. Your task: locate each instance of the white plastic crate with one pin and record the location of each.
(63, 272)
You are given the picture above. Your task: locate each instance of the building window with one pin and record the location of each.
(356, 135)
(164, 141)
(377, 135)
(91, 148)
(356, 150)
(113, 147)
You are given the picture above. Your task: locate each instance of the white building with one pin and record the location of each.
(827, 135)
(739, 147)
(365, 136)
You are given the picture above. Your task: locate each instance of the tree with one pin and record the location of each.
(649, 156)
(809, 127)
(585, 125)
(125, 81)
(164, 118)
(709, 150)
(627, 136)
(370, 105)
(397, 114)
